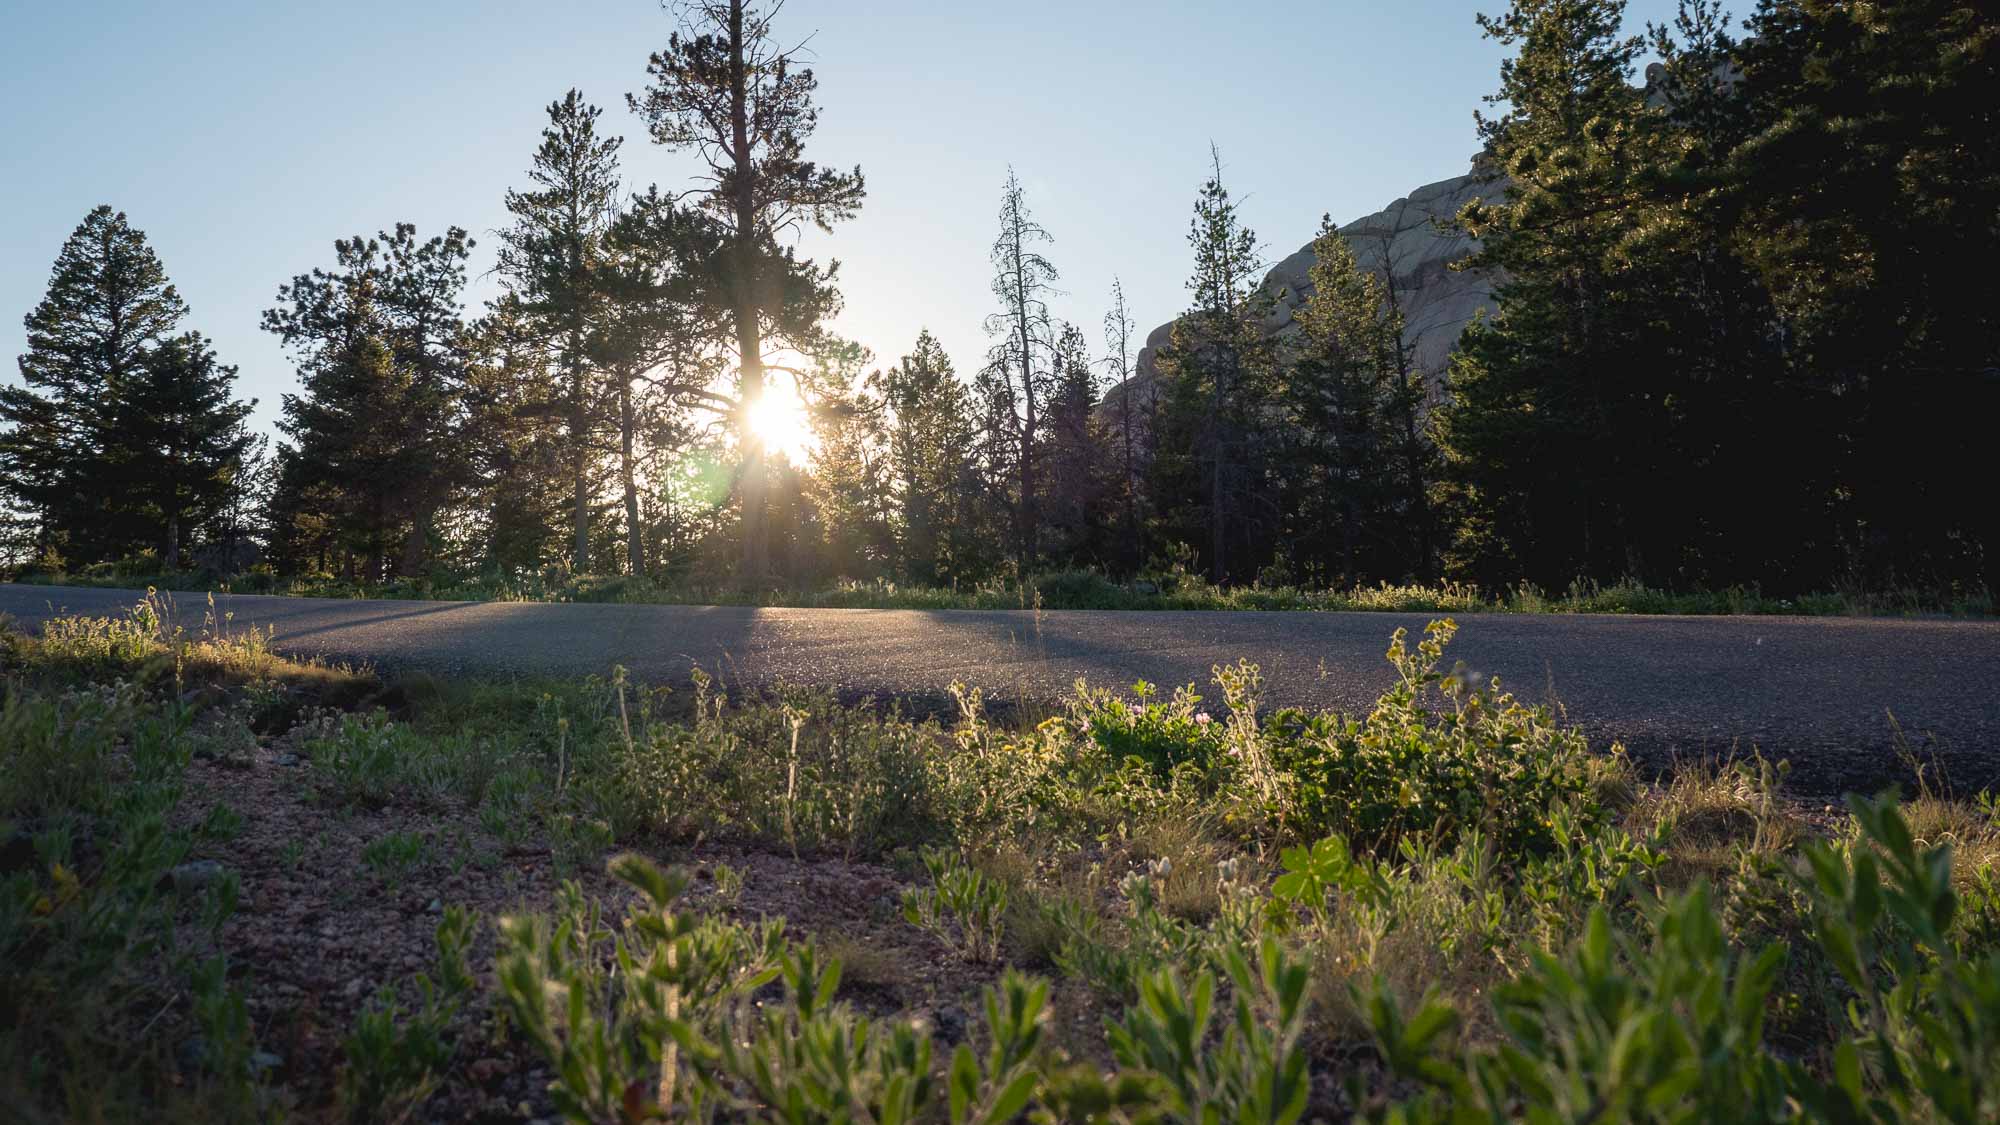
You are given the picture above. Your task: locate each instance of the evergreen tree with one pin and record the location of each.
(180, 443)
(1076, 457)
(108, 306)
(1019, 365)
(662, 337)
(726, 91)
(1548, 444)
(1868, 191)
(1337, 398)
(423, 323)
(930, 443)
(551, 258)
(1209, 469)
(515, 439)
(375, 434)
(1129, 427)
(849, 485)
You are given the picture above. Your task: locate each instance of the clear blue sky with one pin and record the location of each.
(244, 136)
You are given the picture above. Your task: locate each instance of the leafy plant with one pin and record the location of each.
(1312, 875)
(603, 1005)
(1256, 1072)
(961, 906)
(395, 1057)
(394, 855)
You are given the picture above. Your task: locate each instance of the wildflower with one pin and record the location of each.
(1202, 719)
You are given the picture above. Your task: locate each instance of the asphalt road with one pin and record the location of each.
(1818, 691)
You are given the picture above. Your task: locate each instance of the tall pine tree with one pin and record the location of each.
(725, 90)
(551, 257)
(1019, 366)
(1209, 472)
(109, 305)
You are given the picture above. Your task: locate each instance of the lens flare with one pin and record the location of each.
(779, 422)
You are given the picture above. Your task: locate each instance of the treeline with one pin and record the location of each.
(1739, 340)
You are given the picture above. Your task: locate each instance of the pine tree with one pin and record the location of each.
(661, 337)
(1337, 396)
(726, 91)
(374, 435)
(849, 482)
(423, 322)
(181, 442)
(515, 438)
(1076, 456)
(1219, 367)
(1118, 329)
(1546, 442)
(1019, 363)
(551, 257)
(108, 306)
(1868, 189)
(930, 443)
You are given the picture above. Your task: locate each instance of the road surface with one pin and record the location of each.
(1819, 691)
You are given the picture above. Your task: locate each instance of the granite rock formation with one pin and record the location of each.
(1437, 301)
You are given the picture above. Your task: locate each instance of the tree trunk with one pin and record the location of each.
(1030, 507)
(416, 546)
(749, 333)
(580, 454)
(635, 547)
(1218, 572)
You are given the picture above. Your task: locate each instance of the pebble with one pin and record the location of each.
(196, 875)
(950, 1025)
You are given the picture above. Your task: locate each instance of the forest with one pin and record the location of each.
(1743, 338)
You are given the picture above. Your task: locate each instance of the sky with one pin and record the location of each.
(244, 136)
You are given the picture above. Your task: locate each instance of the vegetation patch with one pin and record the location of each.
(612, 902)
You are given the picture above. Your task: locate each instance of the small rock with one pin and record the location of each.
(486, 1071)
(436, 907)
(261, 1061)
(286, 759)
(196, 875)
(950, 1025)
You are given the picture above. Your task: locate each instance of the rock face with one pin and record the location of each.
(1437, 301)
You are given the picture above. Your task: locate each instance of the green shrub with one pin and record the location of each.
(606, 1007)
(1478, 758)
(1671, 1028)
(1256, 1072)
(961, 906)
(395, 1057)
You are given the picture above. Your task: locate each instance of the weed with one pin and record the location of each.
(961, 907)
(393, 855)
(396, 1056)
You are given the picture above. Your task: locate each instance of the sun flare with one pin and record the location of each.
(779, 421)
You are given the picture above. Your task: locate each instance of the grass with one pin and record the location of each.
(1130, 909)
(1083, 589)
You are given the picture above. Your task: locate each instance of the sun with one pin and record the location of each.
(778, 420)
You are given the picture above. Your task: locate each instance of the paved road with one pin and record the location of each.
(1819, 691)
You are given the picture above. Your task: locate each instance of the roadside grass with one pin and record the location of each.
(1140, 906)
(1082, 589)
